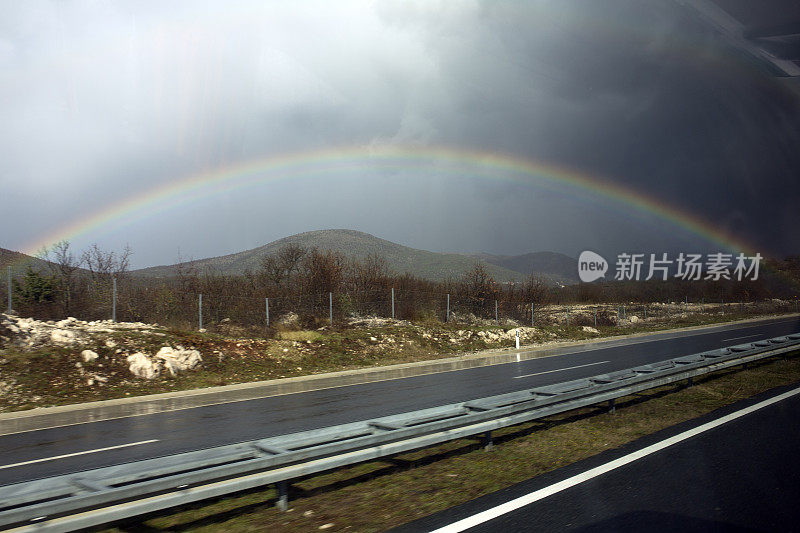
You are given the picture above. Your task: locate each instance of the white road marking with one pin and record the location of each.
(737, 338)
(522, 501)
(560, 369)
(79, 453)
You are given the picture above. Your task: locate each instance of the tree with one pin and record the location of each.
(35, 287)
(103, 266)
(478, 283)
(65, 268)
(535, 290)
(322, 271)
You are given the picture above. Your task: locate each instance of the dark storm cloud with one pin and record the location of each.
(102, 102)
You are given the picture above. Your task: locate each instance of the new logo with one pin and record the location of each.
(591, 266)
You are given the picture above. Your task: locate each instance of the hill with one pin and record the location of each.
(550, 264)
(356, 244)
(19, 262)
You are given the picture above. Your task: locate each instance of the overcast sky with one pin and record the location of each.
(103, 101)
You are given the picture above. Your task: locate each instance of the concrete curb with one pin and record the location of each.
(41, 418)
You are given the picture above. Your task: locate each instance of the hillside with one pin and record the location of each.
(550, 264)
(431, 265)
(19, 262)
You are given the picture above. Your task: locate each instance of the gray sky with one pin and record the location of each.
(103, 101)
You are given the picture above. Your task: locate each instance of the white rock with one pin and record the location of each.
(88, 356)
(142, 366)
(110, 343)
(589, 329)
(177, 359)
(62, 336)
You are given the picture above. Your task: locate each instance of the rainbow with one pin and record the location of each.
(465, 163)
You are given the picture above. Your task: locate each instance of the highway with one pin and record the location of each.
(735, 469)
(60, 450)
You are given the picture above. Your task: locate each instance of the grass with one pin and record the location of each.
(302, 336)
(381, 494)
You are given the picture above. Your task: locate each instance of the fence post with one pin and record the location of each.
(114, 300)
(447, 316)
(567, 315)
(10, 292)
(645, 312)
(200, 310)
(266, 305)
(595, 317)
(624, 314)
(330, 306)
(686, 304)
(496, 320)
(723, 306)
(532, 314)
(392, 302)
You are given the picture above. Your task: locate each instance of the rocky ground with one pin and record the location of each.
(45, 363)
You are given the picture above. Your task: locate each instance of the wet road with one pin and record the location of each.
(733, 470)
(61, 450)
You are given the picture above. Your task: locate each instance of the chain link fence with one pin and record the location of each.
(188, 309)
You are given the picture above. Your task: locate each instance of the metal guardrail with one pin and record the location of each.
(103, 495)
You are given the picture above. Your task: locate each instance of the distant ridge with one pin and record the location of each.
(19, 262)
(400, 259)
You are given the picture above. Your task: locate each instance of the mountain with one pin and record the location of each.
(19, 262)
(549, 264)
(356, 244)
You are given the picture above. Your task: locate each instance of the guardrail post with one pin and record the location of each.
(330, 306)
(690, 382)
(114, 300)
(392, 302)
(612, 406)
(282, 503)
(200, 310)
(447, 316)
(266, 308)
(487, 442)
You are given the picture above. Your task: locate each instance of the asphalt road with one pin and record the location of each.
(61, 450)
(739, 476)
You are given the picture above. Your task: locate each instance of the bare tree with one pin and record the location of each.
(103, 266)
(479, 283)
(370, 274)
(65, 268)
(535, 291)
(290, 257)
